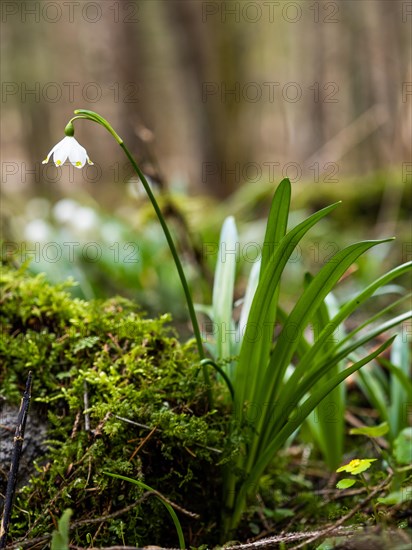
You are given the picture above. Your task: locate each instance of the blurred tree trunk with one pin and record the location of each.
(183, 78)
(30, 109)
(210, 56)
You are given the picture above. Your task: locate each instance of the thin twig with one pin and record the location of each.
(15, 461)
(131, 422)
(27, 543)
(98, 431)
(176, 506)
(149, 435)
(287, 537)
(75, 425)
(86, 407)
(112, 515)
(73, 547)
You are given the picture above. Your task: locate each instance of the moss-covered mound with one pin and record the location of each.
(119, 394)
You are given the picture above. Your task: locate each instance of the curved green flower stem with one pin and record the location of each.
(175, 257)
(90, 115)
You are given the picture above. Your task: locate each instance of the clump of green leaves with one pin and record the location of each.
(284, 377)
(119, 393)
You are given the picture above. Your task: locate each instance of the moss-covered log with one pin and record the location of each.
(116, 393)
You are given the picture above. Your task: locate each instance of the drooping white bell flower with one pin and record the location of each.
(69, 148)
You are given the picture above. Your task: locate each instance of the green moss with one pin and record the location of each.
(146, 408)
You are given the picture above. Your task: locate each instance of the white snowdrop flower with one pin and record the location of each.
(69, 148)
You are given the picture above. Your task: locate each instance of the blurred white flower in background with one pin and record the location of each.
(85, 218)
(82, 218)
(37, 231)
(64, 210)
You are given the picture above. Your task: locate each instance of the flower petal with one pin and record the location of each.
(77, 154)
(61, 151)
(46, 160)
(53, 150)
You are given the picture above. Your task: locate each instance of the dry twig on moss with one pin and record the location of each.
(15, 461)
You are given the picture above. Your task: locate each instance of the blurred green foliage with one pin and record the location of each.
(124, 252)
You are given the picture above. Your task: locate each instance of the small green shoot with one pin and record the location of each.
(371, 431)
(60, 538)
(356, 467)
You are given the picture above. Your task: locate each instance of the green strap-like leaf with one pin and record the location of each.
(400, 391)
(253, 358)
(329, 421)
(303, 311)
(372, 333)
(381, 313)
(277, 221)
(303, 345)
(336, 354)
(374, 392)
(310, 378)
(310, 300)
(275, 231)
(251, 287)
(223, 287)
(344, 313)
(246, 376)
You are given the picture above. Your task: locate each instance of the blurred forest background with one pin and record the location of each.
(218, 101)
